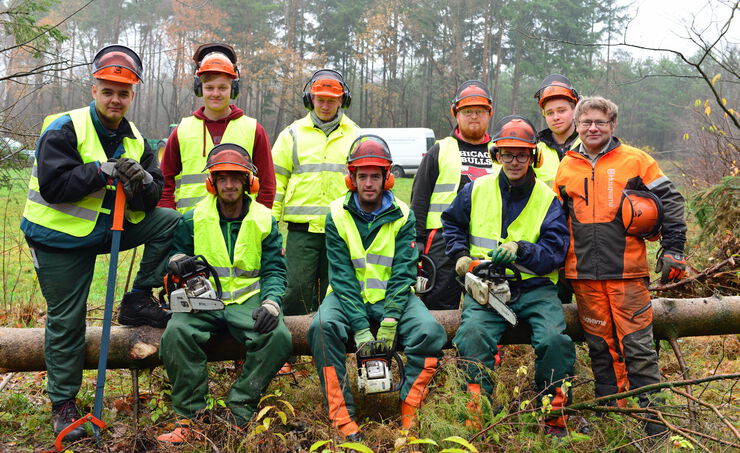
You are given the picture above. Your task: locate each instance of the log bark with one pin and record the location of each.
(138, 347)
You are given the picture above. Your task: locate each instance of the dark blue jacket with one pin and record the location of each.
(542, 257)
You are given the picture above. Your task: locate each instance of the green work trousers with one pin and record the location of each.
(65, 279)
(481, 329)
(420, 335)
(187, 365)
(308, 272)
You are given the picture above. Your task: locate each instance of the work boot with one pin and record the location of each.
(182, 433)
(555, 431)
(351, 432)
(62, 415)
(654, 429)
(140, 308)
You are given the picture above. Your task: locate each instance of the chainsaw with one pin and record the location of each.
(187, 287)
(489, 285)
(374, 368)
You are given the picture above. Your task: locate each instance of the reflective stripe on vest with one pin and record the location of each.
(550, 161)
(317, 177)
(373, 265)
(448, 180)
(195, 144)
(240, 279)
(485, 219)
(79, 218)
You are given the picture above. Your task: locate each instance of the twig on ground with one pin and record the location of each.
(6, 380)
(713, 408)
(685, 281)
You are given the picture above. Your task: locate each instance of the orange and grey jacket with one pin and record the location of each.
(592, 194)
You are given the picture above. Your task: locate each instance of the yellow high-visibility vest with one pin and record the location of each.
(194, 141)
(486, 218)
(78, 218)
(373, 265)
(239, 279)
(309, 170)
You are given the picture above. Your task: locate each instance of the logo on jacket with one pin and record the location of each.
(610, 186)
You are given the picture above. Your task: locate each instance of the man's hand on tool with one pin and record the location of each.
(132, 175)
(672, 267)
(363, 336)
(266, 316)
(462, 264)
(109, 170)
(387, 332)
(504, 254)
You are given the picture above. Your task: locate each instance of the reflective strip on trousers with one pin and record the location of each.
(231, 295)
(68, 208)
(306, 210)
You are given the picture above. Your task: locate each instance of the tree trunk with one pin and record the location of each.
(138, 347)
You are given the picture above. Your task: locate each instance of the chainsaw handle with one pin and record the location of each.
(425, 259)
(210, 268)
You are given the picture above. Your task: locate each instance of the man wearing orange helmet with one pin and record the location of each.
(240, 239)
(372, 261)
(557, 98)
(606, 262)
(445, 169)
(515, 219)
(216, 80)
(67, 220)
(310, 156)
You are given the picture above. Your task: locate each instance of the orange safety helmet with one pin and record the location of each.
(370, 151)
(117, 63)
(514, 131)
(326, 82)
(231, 157)
(215, 57)
(642, 214)
(556, 86)
(472, 92)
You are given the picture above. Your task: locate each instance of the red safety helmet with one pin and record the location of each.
(642, 214)
(117, 63)
(556, 86)
(231, 157)
(470, 93)
(514, 131)
(370, 151)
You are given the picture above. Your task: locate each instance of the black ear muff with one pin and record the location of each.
(306, 97)
(235, 84)
(197, 86)
(536, 158)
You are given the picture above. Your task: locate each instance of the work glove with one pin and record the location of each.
(422, 283)
(132, 175)
(462, 264)
(108, 169)
(387, 332)
(671, 266)
(363, 336)
(266, 316)
(504, 254)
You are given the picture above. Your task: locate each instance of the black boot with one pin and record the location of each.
(62, 415)
(140, 308)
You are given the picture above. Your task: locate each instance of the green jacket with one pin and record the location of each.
(273, 276)
(342, 274)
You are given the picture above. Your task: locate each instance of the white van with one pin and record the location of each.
(408, 145)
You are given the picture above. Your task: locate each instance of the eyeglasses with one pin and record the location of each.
(509, 158)
(467, 113)
(587, 124)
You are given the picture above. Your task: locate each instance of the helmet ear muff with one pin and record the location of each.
(536, 158)
(349, 183)
(346, 96)
(211, 186)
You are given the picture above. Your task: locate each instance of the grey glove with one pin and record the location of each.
(132, 175)
(109, 169)
(266, 316)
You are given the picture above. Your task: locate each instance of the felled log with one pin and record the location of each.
(138, 347)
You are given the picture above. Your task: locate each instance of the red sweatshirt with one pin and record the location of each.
(171, 164)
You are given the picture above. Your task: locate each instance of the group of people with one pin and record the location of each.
(549, 205)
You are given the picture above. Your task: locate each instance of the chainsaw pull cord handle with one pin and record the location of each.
(213, 273)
